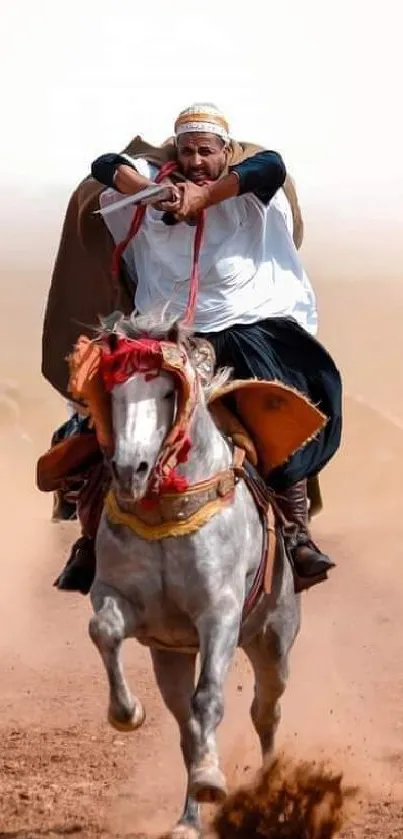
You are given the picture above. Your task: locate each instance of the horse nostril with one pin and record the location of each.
(142, 467)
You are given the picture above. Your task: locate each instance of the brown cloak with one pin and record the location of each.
(81, 287)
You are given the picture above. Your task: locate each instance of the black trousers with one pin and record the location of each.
(278, 348)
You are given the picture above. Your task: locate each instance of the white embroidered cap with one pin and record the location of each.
(202, 118)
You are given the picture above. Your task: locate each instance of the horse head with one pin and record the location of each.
(153, 375)
(143, 410)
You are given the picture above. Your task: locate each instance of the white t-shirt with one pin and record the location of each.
(249, 267)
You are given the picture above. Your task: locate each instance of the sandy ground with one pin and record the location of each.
(63, 771)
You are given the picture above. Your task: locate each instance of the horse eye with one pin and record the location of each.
(169, 394)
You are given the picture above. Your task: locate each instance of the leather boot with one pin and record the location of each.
(310, 564)
(79, 571)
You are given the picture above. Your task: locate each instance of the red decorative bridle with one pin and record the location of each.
(123, 358)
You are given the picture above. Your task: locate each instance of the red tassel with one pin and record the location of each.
(173, 482)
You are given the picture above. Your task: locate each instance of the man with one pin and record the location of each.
(255, 302)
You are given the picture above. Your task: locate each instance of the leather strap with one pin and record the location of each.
(179, 506)
(271, 549)
(264, 576)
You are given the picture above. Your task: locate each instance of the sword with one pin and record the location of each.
(155, 192)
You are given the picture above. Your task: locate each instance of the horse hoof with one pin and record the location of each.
(208, 785)
(128, 722)
(182, 831)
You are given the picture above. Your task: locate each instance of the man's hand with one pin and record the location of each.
(171, 204)
(186, 201)
(193, 199)
(189, 199)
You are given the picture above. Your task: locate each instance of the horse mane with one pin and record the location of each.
(155, 325)
(159, 326)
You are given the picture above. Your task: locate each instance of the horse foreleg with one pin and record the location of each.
(270, 666)
(111, 623)
(175, 675)
(218, 637)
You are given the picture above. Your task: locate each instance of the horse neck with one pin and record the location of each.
(209, 451)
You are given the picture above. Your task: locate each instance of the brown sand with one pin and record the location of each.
(288, 800)
(63, 771)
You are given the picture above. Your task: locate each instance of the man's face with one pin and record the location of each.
(201, 157)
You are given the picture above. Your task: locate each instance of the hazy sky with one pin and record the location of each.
(319, 81)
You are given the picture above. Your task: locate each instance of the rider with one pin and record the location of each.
(255, 303)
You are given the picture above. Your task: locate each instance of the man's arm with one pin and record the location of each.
(119, 172)
(263, 174)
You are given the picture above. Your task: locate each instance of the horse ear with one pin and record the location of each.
(113, 341)
(174, 334)
(202, 356)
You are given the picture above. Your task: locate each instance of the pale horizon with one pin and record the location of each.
(318, 82)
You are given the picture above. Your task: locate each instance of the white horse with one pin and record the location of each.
(184, 595)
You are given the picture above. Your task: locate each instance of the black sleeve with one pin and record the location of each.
(104, 167)
(263, 174)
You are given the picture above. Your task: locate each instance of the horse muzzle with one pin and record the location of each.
(131, 481)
